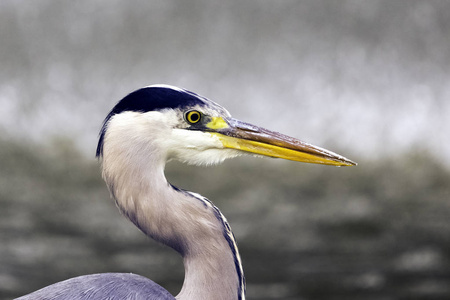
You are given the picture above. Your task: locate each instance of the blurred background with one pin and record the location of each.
(367, 79)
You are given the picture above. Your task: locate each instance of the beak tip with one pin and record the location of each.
(349, 163)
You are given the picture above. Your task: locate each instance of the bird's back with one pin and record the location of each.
(113, 286)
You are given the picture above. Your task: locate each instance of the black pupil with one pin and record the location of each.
(194, 117)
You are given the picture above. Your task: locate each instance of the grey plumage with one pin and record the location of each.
(112, 286)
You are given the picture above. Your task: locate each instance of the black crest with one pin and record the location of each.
(150, 99)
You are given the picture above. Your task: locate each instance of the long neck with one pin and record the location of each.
(187, 222)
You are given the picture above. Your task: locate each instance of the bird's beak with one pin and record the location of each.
(250, 138)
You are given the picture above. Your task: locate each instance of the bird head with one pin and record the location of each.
(185, 126)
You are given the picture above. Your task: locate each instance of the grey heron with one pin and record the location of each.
(141, 133)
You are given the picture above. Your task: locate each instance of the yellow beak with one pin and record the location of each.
(250, 138)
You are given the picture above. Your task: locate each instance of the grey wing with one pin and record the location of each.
(111, 286)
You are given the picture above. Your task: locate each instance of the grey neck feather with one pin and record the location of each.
(187, 222)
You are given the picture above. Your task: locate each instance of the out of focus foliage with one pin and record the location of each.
(380, 230)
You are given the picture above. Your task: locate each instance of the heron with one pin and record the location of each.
(143, 131)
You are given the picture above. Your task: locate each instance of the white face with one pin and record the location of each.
(194, 146)
(198, 148)
(163, 135)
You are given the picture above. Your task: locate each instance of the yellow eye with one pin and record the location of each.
(193, 116)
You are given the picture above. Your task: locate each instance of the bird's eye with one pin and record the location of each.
(193, 116)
